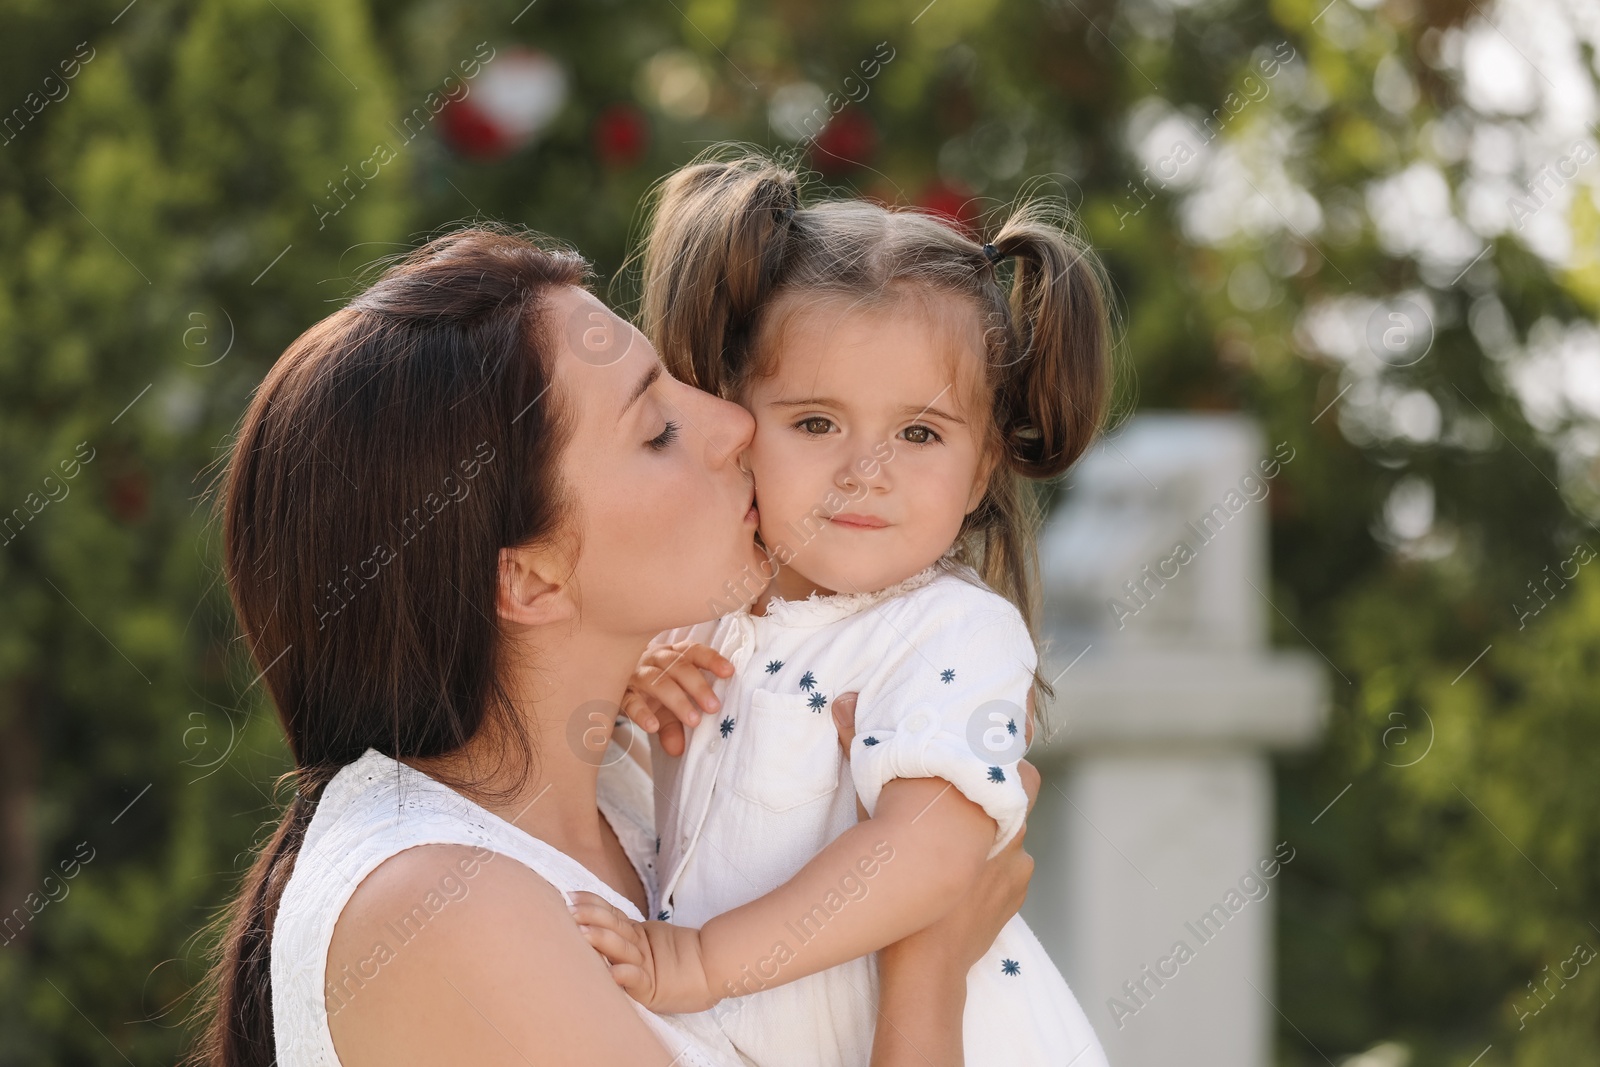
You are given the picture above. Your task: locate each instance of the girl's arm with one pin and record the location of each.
(877, 883)
(920, 852)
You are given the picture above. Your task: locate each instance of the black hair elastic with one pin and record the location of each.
(992, 254)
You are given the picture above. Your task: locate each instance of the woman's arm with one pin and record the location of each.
(429, 965)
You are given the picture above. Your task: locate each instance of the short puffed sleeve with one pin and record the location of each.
(950, 701)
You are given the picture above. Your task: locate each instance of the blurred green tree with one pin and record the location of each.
(171, 208)
(161, 250)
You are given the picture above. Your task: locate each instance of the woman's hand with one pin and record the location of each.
(655, 963)
(970, 928)
(667, 691)
(967, 931)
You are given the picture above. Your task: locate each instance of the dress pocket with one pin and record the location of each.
(791, 756)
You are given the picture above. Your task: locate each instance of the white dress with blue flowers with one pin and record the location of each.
(943, 666)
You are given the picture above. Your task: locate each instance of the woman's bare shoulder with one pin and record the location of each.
(455, 954)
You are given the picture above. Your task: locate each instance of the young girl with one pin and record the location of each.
(900, 399)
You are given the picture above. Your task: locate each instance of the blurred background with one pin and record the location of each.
(1276, 186)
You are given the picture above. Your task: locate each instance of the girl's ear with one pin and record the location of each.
(529, 593)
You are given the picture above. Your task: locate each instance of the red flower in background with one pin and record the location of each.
(621, 136)
(470, 132)
(128, 495)
(953, 202)
(517, 95)
(848, 141)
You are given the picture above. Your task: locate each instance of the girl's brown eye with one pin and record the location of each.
(920, 435)
(815, 425)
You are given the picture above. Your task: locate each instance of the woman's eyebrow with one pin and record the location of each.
(645, 383)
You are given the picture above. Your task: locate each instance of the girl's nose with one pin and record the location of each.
(862, 473)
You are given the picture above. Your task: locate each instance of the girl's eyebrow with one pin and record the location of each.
(917, 410)
(809, 401)
(925, 409)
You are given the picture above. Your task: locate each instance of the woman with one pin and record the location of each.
(456, 512)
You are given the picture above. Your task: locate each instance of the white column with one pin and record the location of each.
(1158, 864)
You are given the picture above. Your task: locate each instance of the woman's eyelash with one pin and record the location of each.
(664, 438)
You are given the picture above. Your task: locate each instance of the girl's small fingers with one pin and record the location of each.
(637, 709)
(594, 910)
(594, 918)
(673, 742)
(707, 658)
(693, 682)
(844, 719)
(675, 700)
(631, 979)
(612, 945)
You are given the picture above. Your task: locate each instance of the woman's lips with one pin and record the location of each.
(859, 522)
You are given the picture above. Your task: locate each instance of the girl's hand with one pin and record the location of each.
(656, 963)
(667, 691)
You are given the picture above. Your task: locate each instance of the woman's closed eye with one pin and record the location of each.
(661, 440)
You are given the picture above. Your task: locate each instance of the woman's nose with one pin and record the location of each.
(729, 429)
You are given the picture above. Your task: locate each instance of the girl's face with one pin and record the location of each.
(868, 445)
(664, 510)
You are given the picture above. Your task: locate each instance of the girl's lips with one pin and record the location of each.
(859, 522)
(752, 513)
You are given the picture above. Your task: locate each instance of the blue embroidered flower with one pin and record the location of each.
(1011, 727)
(869, 740)
(774, 666)
(808, 681)
(1010, 967)
(662, 915)
(817, 702)
(996, 774)
(947, 675)
(726, 727)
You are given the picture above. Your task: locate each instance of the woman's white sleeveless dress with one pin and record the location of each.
(376, 808)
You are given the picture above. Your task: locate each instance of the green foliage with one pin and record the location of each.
(143, 296)
(138, 212)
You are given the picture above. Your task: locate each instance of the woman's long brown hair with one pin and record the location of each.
(388, 456)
